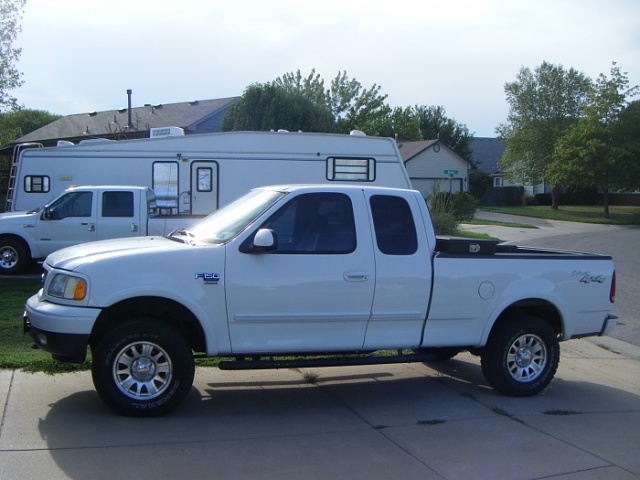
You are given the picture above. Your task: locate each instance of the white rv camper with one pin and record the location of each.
(196, 174)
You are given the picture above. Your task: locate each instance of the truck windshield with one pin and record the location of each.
(226, 223)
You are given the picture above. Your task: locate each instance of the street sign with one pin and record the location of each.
(451, 172)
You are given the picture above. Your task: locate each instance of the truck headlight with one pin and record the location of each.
(68, 287)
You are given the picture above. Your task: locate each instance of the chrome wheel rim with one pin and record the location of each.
(526, 358)
(142, 370)
(8, 257)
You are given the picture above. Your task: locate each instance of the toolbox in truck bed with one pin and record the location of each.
(466, 245)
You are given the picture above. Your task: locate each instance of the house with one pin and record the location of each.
(429, 162)
(199, 116)
(486, 155)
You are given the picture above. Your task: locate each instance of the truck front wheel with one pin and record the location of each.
(143, 368)
(14, 256)
(521, 357)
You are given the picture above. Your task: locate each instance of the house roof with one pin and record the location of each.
(486, 154)
(408, 150)
(198, 116)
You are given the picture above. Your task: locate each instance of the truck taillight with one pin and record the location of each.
(612, 292)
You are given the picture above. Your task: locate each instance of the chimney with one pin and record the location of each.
(129, 125)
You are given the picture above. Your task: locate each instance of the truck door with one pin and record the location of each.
(119, 214)
(403, 272)
(69, 220)
(316, 290)
(204, 187)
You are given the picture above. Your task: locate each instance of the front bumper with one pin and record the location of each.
(60, 330)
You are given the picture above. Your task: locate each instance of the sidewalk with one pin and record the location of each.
(412, 421)
(543, 228)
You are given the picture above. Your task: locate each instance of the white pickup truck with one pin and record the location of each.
(78, 215)
(310, 275)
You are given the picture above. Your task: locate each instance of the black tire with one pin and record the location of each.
(143, 368)
(521, 356)
(14, 257)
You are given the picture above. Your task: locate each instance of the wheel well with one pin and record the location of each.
(17, 238)
(535, 307)
(163, 309)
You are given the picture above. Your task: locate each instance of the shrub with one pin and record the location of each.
(447, 210)
(464, 206)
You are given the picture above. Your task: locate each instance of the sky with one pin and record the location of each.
(82, 55)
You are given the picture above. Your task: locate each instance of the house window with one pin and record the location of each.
(36, 184)
(351, 169)
(497, 182)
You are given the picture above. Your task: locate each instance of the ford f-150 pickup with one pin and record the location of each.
(312, 275)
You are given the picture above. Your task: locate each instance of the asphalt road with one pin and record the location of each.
(621, 242)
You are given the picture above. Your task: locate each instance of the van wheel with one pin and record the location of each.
(143, 368)
(521, 357)
(13, 256)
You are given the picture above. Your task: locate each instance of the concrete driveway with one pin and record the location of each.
(412, 421)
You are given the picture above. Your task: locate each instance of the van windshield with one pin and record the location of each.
(224, 224)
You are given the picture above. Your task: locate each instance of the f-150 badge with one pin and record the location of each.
(208, 278)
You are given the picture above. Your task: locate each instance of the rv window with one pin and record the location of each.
(351, 169)
(205, 176)
(117, 204)
(165, 184)
(36, 184)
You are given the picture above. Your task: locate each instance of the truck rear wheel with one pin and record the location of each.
(14, 257)
(521, 357)
(143, 368)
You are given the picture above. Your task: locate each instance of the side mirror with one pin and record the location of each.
(264, 241)
(46, 213)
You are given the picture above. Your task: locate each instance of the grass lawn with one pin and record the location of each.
(620, 215)
(15, 346)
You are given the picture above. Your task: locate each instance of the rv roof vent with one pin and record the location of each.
(95, 140)
(357, 133)
(64, 143)
(166, 132)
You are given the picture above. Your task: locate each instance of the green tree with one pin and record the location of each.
(543, 105)
(434, 123)
(271, 107)
(602, 148)
(24, 121)
(10, 77)
(311, 87)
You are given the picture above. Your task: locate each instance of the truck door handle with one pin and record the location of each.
(91, 227)
(356, 276)
(134, 227)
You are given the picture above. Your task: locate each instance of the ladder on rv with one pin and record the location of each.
(13, 171)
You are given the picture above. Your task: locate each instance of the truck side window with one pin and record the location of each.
(315, 223)
(394, 226)
(74, 204)
(117, 204)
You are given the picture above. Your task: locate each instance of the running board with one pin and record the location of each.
(252, 363)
